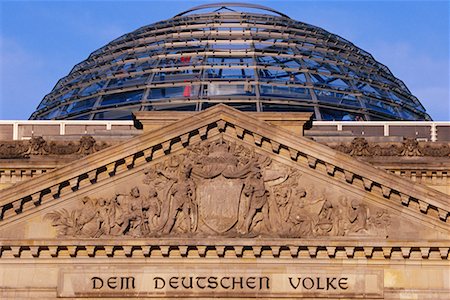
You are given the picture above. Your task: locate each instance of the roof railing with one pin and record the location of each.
(422, 130)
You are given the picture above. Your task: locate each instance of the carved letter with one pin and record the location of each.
(294, 286)
(189, 286)
(311, 284)
(173, 282)
(240, 282)
(198, 282)
(221, 283)
(251, 282)
(112, 282)
(318, 284)
(261, 283)
(212, 282)
(159, 280)
(125, 283)
(343, 283)
(94, 281)
(330, 283)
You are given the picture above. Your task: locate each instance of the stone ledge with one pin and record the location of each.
(246, 248)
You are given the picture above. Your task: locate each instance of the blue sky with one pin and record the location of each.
(40, 41)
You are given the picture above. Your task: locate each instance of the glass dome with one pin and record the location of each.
(247, 56)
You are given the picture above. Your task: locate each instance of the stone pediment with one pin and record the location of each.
(221, 173)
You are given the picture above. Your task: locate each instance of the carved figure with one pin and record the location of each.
(360, 147)
(151, 209)
(37, 146)
(255, 190)
(410, 147)
(105, 217)
(303, 217)
(131, 214)
(13, 149)
(358, 216)
(87, 218)
(183, 199)
(87, 145)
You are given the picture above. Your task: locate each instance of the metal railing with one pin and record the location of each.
(422, 130)
(23, 130)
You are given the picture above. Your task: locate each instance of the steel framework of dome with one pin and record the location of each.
(254, 59)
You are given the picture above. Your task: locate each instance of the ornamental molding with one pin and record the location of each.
(348, 249)
(410, 147)
(414, 200)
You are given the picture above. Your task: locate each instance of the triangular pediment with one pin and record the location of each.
(222, 173)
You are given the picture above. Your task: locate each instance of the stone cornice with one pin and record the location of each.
(338, 248)
(222, 119)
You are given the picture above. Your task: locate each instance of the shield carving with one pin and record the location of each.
(219, 202)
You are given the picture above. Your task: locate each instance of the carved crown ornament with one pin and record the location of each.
(222, 189)
(37, 145)
(252, 186)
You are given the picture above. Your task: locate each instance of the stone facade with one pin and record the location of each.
(223, 204)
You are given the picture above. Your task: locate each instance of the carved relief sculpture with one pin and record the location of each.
(221, 189)
(409, 147)
(37, 145)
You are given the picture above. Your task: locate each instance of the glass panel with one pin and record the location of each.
(119, 98)
(274, 75)
(241, 106)
(350, 100)
(44, 102)
(180, 61)
(92, 88)
(177, 107)
(174, 92)
(285, 91)
(217, 89)
(116, 114)
(291, 63)
(231, 46)
(273, 49)
(338, 83)
(119, 58)
(267, 60)
(127, 81)
(186, 75)
(285, 107)
(336, 115)
(67, 95)
(82, 117)
(380, 106)
(409, 115)
(81, 105)
(181, 50)
(229, 61)
(311, 64)
(229, 73)
(336, 97)
(372, 90)
(50, 115)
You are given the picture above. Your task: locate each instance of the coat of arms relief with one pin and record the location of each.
(220, 188)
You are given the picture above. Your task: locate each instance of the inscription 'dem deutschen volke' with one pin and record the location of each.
(231, 283)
